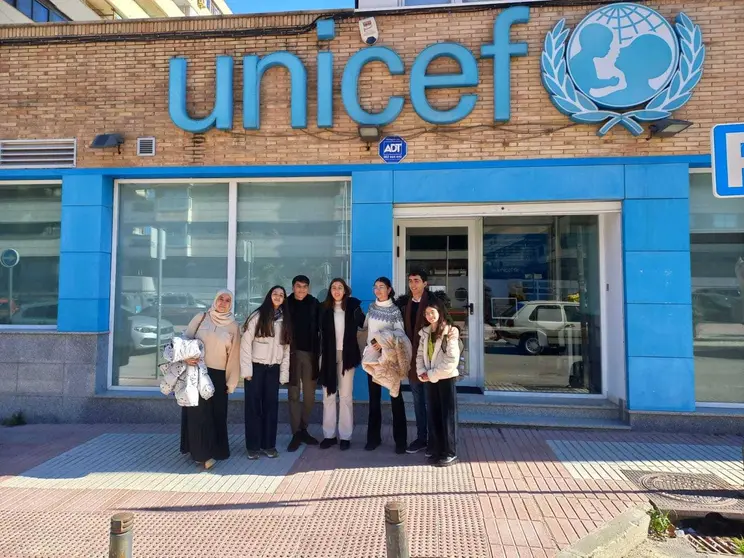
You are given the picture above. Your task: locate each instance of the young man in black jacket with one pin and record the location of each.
(303, 361)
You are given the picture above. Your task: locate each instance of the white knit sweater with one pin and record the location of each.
(383, 316)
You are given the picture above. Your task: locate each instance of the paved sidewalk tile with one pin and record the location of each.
(515, 492)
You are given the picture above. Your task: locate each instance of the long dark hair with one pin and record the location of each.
(329, 301)
(265, 323)
(444, 316)
(385, 281)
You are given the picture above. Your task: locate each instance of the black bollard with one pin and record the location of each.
(120, 540)
(395, 530)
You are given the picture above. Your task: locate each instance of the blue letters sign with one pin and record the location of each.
(500, 49)
(622, 56)
(9, 258)
(727, 143)
(393, 149)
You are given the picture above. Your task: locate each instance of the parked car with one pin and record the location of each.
(38, 313)
(540, 325)
(144, 331)
(177, 308)
(718, 304)
(7, 310)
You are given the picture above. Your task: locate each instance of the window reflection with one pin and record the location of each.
(542, 309)
(286, 229)
(30, 218)
(171, 260)
(717, 265)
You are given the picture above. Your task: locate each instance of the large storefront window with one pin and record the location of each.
(717, 262)
(30, 216)
(287, 229)
(542, 304)
(174, 250)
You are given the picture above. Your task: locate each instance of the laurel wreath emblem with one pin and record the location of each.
(580, 108)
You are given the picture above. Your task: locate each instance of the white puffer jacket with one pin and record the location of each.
(443, 363)
(186, 381)
(263, 350)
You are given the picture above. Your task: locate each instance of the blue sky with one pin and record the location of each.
(264, 6)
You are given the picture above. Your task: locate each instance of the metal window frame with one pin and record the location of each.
(232, 229)
(8, 328)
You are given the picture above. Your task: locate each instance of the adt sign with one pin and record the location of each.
(393, 149)
(727, 143)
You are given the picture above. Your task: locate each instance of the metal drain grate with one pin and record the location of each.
(715, 545)
(688, 492)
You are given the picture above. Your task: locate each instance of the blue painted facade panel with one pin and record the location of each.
(657, 277)
(511, 184)
(654, 192)
(85, 253)
(661, 384)
(656, 225)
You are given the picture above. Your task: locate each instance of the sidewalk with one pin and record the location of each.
(516, 492)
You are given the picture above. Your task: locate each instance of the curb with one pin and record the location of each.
(615, 538)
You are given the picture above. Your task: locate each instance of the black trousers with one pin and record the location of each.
(262, 407)
(204, 428)
(441, 407)
(374, 423)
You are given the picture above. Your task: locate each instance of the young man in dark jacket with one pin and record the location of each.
(413, 306)
(303, 360)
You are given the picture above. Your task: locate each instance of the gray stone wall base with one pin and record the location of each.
(723, 421)
(140, 410)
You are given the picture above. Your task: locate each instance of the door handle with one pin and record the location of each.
(470, 307)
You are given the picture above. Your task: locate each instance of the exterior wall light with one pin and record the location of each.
(103, 141)
(667, 128)
(369, 134)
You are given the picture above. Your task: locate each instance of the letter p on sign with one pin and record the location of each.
(727, 155)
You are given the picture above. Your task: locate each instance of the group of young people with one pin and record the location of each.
(301, 342)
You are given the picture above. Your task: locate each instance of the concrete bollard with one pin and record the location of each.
(120, 539)
(395, 530)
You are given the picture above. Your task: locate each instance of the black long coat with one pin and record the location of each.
(352, 357)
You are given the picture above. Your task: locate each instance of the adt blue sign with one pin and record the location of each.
(393, 149)
(9, 258)
(624, 64)
(727, 154)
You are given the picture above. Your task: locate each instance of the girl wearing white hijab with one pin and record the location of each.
(204, 428)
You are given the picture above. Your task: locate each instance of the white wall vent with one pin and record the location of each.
(38, 154)
(145, 147)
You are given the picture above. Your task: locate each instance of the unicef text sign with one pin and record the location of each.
(622, 56)
(624, 64)
(254, 68)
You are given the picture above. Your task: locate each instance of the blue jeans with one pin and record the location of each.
(419, 407)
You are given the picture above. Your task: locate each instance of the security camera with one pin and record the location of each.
(368, 30)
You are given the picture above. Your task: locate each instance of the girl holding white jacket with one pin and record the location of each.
(436, 366)
(264, 364)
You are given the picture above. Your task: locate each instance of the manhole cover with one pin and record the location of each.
(688, 491)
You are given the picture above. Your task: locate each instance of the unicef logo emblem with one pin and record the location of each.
(622, 56)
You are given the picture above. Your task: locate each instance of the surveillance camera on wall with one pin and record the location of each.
(368, 30)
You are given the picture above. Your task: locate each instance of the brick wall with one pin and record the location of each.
(85, 88)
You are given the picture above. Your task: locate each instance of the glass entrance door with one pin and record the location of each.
(445, 254)
(541, 287)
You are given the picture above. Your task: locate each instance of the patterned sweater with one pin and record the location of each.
(383, 316)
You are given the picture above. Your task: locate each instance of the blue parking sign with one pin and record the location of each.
(393, 149)
(727, 155)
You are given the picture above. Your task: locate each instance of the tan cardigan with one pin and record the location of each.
(221, 347)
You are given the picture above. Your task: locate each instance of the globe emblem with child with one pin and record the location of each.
(622, 56)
